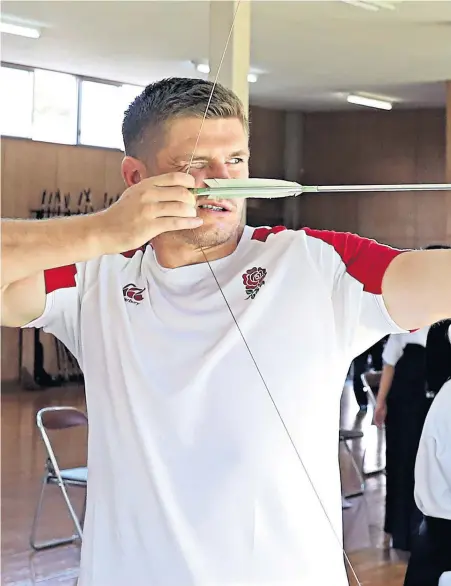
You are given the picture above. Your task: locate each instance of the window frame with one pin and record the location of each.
(81, 79)
(79, 90)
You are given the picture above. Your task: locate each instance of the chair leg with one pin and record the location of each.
(72, 512)
(376, 471)
(359, 474)
(50, 543)
(36, 515)
(83, 511)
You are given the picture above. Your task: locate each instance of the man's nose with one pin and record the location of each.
(217, 171)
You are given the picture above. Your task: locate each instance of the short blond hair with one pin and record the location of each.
(172, 98)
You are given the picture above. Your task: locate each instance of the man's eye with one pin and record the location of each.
(236, 160)
(195, 165)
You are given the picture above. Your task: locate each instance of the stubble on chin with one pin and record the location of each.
(204, 237)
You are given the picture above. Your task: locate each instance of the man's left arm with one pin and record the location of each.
(416, 288)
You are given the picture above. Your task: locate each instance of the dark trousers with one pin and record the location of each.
(403, 426)
(360, 366)
(431, 553)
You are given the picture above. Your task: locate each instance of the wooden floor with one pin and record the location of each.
(22, 467)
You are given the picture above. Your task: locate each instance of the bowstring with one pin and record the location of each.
(236, 321)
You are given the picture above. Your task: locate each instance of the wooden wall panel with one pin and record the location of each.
(448, 132)
(430, 221)
(2, 149)
(329, 211)
(267, 143)
(114, 185)
(448, 158)
(430, 146)
(29, 168)
(386, 216)
(82, 169)
(431, 217)
(10, 354)
(378, 147)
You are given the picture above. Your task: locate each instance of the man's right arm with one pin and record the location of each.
(30, 247)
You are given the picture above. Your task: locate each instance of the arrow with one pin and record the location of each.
(270, 188)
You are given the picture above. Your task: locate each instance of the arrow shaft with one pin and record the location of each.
(284, 191)
(393, 187)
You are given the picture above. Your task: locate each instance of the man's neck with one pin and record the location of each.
(171, 253)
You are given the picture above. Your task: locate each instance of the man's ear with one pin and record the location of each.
(133, 171)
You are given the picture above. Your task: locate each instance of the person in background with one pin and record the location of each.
(360, 365)
(402, 405)
(431, 551)
(437, 356)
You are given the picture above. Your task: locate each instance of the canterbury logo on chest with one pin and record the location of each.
(133, 294)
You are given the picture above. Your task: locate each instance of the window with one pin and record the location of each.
(55, 107)
(48, 106)
(102, 111)
(99, 115)
(16, 102)
(128, 94)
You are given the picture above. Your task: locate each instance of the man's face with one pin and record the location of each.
(221, 152)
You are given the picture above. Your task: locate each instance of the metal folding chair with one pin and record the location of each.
(345, 436)
(371, 381)
(60, 418)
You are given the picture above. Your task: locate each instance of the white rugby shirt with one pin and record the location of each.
(193, 480)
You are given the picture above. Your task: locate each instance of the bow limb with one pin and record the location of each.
(238, 326)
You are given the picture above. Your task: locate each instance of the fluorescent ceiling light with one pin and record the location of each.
(205, 68)
(360, 4)
(370, 102)
(374, 5)
(21, 31)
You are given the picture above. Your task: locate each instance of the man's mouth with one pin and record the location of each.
(216, 206)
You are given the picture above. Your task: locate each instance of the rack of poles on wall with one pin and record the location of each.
(55, 205)
(33, 374)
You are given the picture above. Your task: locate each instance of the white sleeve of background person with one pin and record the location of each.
(394, 349)
(433, 463)
(395, 345)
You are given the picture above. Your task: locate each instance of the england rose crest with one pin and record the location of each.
(253, 280)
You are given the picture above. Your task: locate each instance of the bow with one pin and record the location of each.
(236, 321)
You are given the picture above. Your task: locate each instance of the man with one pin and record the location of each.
(193, 476)
(437, 348)
(402, 404)
(431, 554)
(437, 356)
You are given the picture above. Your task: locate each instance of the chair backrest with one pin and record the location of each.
(58, 418)
(371, 381)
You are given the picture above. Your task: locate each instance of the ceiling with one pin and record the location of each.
(312, 52)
